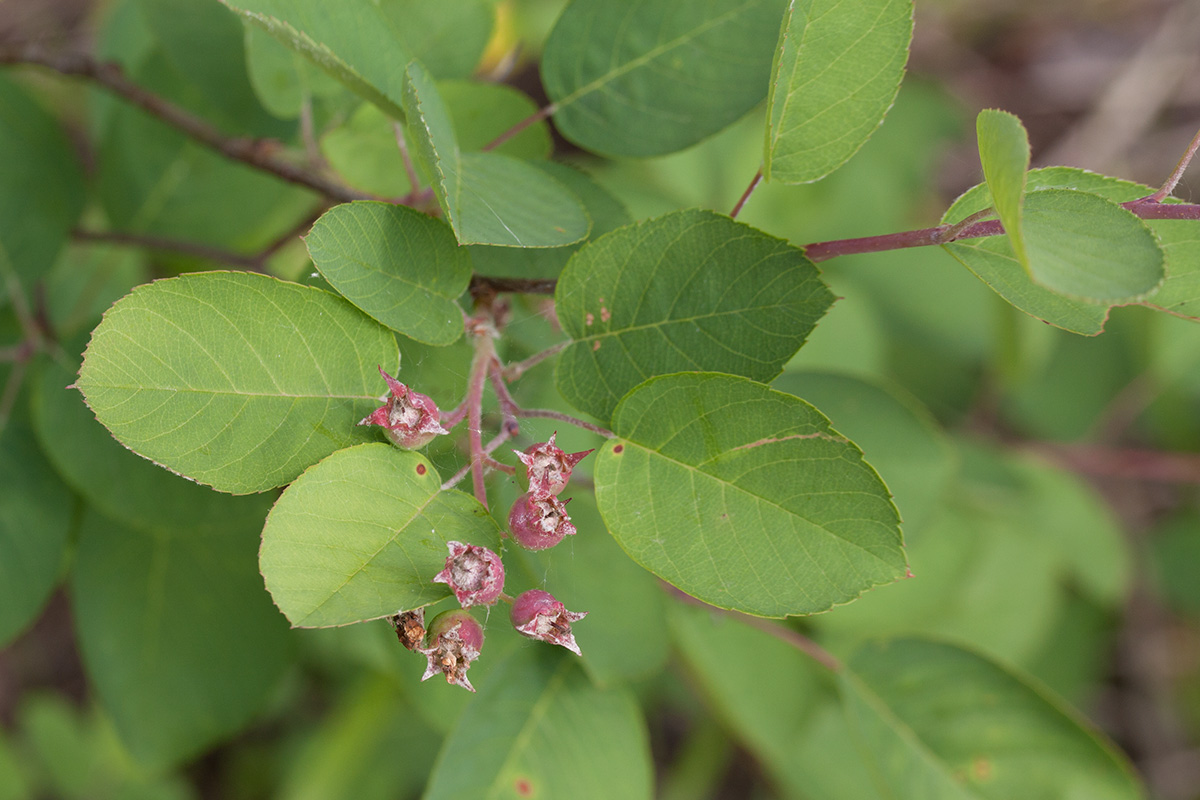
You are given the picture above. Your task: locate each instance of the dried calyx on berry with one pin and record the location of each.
(409, 627)
(475, 574)
(539, 522)
(538, 615)
(454, 641)
(410, 419)
(547, 468)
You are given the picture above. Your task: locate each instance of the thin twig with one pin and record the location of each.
(754, 182)
(1122, 462)
(414, 182)
(496, 441)
(540, 115)
(257, 153)
(546, 413)
(218, 254)
(1170, 183)
(514, 371)
(485, 353)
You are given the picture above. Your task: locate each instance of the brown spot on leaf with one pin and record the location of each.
(523, 787)
(619, 449)
(981, 769)
(420, 469)
(596, 346)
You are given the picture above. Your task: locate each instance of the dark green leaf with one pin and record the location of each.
(282, 78)
(235, 380)
(178, 636)
(35, 519)
(943, 722)
(744, 497)
(361, 535)
(645, 78)
(401, 267)
(41, 186)
(837, 70)
(693, 290)
(539, 729)
(487, 198)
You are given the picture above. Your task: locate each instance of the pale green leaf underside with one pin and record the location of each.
(361, 535)
(645, 78)
(400, 266)
(692, 290)
(1004, 154)
(744, 497)
(350, 40)
(539, 729)
(943, 722)
(1180, 239)
(235, 380)
(837, 69)
(487, 198)
(1048, 229)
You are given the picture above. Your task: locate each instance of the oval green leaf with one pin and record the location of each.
(943, 722)
(235, 380)
(837, 69)
(744, 497)
(400, 266)
(35, 521)
(646, 78)
(177, 634)
(41, 191)
(487, 198)
(1004, 154)
(692, 290)
(539, 729)
(361, 535)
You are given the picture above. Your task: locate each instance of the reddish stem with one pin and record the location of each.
(532, 119)
(754, 182)
(1173, 181)
(485, 353)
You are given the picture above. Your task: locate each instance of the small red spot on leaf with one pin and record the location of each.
(523, 787)
(619, 448)
(420, 469)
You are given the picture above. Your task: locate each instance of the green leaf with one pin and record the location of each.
(364, 149)
(943, 722)
(538, 728)
(401, 267)
(837, 69)
(366, 45)
(897, 434)
(606, 211)
(1081, 255)
(41, 186)
(487, 198)
(205, 44)
(235, 380)
(744, 497)
(282, 78)
(177, 634)
(35, 520)
(124, 487)
(1004, 154)
(692, 290)
(361, 535)
(646, 78)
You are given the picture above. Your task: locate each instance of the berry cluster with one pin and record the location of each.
(538, 520)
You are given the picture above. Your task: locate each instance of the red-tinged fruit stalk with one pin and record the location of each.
(475, 574)
(409, 627)
(410, 419)
(547, 468)
(538, 615)
(454, 641)
(537, 523)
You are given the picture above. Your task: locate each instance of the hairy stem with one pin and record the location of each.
(546, 413)
(406, 157)
(485, 353)
(754, 182)
(514, 371)
(257, 153)
(1173, 181)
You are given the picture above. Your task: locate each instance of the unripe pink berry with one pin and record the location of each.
(539, 522)
(476, 574)
(546, 468)
(410, 419)
(454, 641)
(538, 615)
